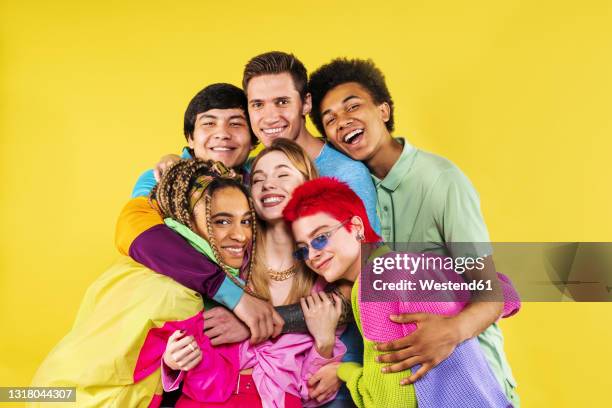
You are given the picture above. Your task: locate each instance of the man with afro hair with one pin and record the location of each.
(422, 198)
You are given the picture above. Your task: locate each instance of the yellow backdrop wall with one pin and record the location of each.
(517, 93)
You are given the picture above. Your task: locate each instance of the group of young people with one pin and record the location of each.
(240, 284)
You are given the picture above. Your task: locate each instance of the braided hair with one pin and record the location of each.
(188, 181)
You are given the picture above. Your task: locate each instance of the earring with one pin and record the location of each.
(360, 237)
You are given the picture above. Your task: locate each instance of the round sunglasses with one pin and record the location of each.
(319, 242)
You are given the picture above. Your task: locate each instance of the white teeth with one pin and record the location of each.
(221, 149)
(273, 131)
(272, 200)
(235, 250)
(348, 137)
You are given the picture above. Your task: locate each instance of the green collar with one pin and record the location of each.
(400, 168)
(196, 241)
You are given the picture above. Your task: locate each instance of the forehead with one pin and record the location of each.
(269, 161)
(338, 94)
(271, 86)
(303, 226)
(229, 199)
(222, 113)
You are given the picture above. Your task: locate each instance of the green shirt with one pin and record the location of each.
(369, 387)
(425, 199)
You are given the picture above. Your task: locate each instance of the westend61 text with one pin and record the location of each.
(432, 285)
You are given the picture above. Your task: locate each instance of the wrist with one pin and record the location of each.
(461, 329)
(169, 364)
(325, 347)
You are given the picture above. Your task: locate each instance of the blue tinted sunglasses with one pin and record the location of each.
(319, 242)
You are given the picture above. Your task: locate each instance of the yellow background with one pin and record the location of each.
(517, 93)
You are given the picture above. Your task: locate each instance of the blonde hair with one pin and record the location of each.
(304, 278)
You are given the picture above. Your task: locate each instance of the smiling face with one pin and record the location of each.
(353, 123)
(275, 107)
(231, 222)
(273, 180)
(221, 135)
(337, 260)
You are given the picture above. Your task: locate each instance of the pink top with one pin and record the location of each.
(375, 307)
(279, 365)
(285, 365)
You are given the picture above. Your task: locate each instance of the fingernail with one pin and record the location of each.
(384, 369)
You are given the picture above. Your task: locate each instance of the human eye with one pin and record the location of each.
(330, 121)
(283, 175)
(319, 239)
(236, 124)
(256, 105)
(352, 107)
(247, 221)
(208, 123)
(256, 180)
(283, 101)
(222, 221)
(301, 253)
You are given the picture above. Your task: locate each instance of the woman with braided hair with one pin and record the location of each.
(187, 195)
(113, 354)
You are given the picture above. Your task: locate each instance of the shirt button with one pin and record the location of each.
(386, 208)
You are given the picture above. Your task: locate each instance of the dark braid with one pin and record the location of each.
(173, 197)
(172, 192)
(207, 205)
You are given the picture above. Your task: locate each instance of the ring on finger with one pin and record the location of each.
(191, 347)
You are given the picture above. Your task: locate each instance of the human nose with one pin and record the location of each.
(268, 184)
(313, 253)
(223, 133)
(270, 114)
(238, 232)
(345, 121)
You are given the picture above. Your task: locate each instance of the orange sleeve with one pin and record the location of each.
(136, 217)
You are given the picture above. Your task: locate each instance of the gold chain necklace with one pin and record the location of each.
(282, 275)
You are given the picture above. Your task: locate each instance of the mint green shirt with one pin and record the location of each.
(425, 199)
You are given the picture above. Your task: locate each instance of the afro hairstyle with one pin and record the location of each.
(341, 71)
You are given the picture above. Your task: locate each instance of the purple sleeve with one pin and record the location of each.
(164, 251)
